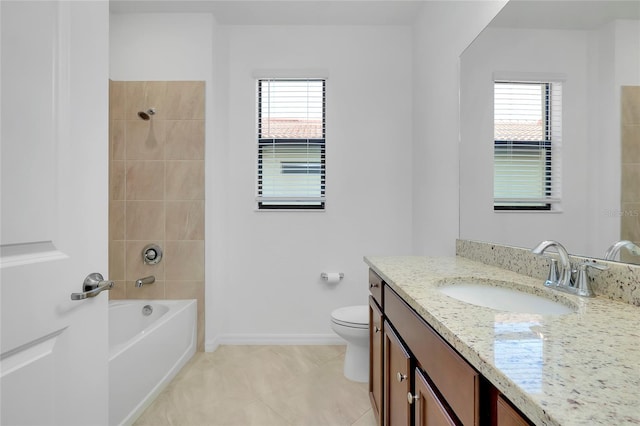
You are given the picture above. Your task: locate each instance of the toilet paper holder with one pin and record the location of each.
(325, 275)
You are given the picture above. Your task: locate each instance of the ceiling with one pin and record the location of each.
(283, 12)
(568, 14)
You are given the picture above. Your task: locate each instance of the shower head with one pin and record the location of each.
(146, 115)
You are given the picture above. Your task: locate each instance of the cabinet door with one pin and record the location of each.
(397, 380)
(507, 416)
(428, 410)
(376, 367)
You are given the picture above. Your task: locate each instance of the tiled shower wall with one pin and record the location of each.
(630, 131)
(156, 187)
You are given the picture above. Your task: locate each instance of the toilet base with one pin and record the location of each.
(356, 363)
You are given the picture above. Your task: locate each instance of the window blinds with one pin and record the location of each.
(291, 143)
(527, 144)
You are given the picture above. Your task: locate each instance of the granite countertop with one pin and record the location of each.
(581, 368)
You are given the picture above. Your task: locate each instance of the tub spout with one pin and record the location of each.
(146, 280)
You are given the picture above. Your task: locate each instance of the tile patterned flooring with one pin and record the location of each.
(262, 386)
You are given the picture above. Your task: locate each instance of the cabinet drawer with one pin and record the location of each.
(375, 287)
(456, 380)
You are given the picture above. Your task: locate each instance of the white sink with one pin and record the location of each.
(503, 298)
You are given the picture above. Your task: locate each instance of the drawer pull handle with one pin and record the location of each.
(373, 285)
(401, 376)
(411, 398)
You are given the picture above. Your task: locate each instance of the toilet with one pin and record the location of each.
(352, 324)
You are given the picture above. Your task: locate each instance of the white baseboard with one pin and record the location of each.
(273, 339)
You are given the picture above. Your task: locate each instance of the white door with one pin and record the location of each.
(54, 212)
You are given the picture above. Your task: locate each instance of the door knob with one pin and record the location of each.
(93, 285)
(401, 376)
(411, 398)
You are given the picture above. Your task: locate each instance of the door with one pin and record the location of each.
(54, 212)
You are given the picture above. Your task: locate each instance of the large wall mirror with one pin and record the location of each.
(593, 48)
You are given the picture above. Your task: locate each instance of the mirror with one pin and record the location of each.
(594, 48)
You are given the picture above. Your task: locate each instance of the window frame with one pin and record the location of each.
(300, 203)
(545, 145)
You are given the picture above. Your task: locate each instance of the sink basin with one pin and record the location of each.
(498, 296)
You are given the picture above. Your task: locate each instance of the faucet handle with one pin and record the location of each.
(581, 284)
(554, 276)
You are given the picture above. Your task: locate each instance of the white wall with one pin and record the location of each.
(263, 268)
(441, 32)
(273, 288)
(595, 63)
(530, 51)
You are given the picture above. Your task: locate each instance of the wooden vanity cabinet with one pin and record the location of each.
(506, 415)
(417, 378)
(376, 367)
(428, 409)
(397, 379)
(376, 347)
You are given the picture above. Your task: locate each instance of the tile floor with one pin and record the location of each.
(262, 386)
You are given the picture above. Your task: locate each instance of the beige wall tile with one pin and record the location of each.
(116, 139)
(149, 291)
(630, 143)
(185, 180)
(136, 268)
(116, 220)
(185, 220)
(630, 100)
(116, 100)
(117, 180)
(145, 139)
(142, 95)
(184, 140)
(117, 292)
(116, 260)
(630, 222)
(145, 180)
(630, 178)
(184, 260)
(144, 220)
(185, 100)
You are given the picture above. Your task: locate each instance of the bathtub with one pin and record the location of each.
(146, 351)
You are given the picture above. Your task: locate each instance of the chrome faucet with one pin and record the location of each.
(612, 251)
(146, 280)
(560, 277)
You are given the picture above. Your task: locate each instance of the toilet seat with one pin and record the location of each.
(352, 316)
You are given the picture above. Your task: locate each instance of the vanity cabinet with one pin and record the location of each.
(397, 379)
(417, 378)
(376, 346)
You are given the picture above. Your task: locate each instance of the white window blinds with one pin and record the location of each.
(527, 145)
(291, 144)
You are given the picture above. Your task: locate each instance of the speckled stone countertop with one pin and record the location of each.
(581, 368)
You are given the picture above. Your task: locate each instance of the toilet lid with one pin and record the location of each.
(352, 316)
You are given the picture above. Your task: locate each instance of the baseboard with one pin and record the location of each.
(273, 339)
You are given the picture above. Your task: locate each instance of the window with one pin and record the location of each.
(291, 144)
(527, 138)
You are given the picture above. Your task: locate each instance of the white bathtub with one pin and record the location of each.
(146, 352)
